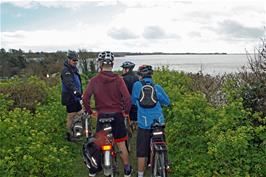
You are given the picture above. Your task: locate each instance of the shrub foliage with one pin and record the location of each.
(203, 138)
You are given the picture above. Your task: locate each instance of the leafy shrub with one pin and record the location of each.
(205, 140)
(25, 92)
(254, 92)
(33, 144)
(234, 142)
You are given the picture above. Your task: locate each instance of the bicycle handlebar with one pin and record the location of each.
(156, 124)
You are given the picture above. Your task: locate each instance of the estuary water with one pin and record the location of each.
(208, 64)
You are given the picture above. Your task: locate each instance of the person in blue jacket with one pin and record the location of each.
(146, 115)
(71, 89)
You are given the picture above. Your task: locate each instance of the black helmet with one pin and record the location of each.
(106, 57)
(92, 156)
(72, 55)
(128, 64)
(145, 70)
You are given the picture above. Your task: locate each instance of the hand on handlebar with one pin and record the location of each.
(126, 115)
(94, 114)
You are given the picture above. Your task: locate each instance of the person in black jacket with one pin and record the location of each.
(130, 78)
(71, 89)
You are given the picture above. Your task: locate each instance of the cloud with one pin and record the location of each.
(169, 26)
(153, 32)
(194, 34)
(51, 39)
(51, 4)
(156, 32)
(234, 29)
(121, 34)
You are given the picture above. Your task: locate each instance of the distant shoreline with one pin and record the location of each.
(122, 54)
(186, 53)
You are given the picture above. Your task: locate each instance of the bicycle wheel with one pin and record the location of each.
(129, 135)
(158, 166)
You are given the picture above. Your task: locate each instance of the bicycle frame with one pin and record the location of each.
(158, 148)
(109, 161)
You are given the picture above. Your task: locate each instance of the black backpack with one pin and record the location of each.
(147, 98)
(92, 156)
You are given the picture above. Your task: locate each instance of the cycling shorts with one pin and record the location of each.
(143, 142)
(118, 126)
(133, 113)
(73, 107)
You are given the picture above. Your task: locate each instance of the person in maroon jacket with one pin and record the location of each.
(111, 97)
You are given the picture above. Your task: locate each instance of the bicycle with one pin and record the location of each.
(104, 143)
(158, 157)
(109, 154)
(129, 129)
(77, 127)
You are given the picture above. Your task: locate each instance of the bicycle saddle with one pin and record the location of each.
(106, 120)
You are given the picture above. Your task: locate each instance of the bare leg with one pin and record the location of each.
(124, 153)
(70, 117)
(141, 164)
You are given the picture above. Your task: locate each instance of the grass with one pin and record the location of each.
(80, 169)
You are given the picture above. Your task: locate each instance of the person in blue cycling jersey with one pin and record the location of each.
(146, 115)
(71, 89)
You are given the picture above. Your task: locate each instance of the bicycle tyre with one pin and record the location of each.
(162, 169)
(129, 136)
(158, 165)
(128, 145)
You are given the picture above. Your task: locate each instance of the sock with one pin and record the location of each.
(140, 174)
(127, 167)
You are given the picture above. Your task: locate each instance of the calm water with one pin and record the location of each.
(209, 64)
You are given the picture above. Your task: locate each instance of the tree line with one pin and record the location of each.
(17, 62)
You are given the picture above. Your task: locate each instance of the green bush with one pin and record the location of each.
(25, 92)
(202, 139)
(206, 140)
(33, 144)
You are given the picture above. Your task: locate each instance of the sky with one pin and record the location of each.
(229, 26)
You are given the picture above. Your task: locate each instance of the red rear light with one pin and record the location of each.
(106, 147)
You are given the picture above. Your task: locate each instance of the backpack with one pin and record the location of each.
(147, 98)
(92, 156)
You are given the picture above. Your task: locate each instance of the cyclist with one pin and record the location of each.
(147, 115)
(111, 96)
(130, 78)
(71, 89)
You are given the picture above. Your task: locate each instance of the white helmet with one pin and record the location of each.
(106, 57)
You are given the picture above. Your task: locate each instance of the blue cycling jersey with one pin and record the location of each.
(147, 115)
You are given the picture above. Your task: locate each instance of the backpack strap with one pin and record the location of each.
(143, 82)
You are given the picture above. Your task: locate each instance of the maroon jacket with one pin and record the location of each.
(110, 93)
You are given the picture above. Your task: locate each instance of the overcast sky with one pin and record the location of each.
(133, 26)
